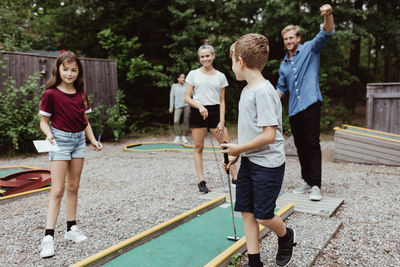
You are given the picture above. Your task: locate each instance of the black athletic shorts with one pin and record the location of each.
(196, 120)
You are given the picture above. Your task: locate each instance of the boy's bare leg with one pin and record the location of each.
(251, 232)
(275, 224)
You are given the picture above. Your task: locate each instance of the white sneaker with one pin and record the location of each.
(75, 234)
(47, 247)
(184, 140)
(302, 189)
(315, 193)
(177, 139)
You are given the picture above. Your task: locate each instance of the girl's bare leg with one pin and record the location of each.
(74, 177)
(58, 173)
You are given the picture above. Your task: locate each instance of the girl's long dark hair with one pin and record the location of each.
(177, 76)
(55, 78)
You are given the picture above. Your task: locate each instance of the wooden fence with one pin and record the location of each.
(100, 75)
(383, 107)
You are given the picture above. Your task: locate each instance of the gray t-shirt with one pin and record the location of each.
(258, 107)
(176, 96)
(206, 87)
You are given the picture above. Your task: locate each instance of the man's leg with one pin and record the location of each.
(298, 127)
(314, 158)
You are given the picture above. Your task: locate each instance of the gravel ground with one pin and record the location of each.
(125, 193)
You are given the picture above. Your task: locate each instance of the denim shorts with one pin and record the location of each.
(257, 189)
(72, 145)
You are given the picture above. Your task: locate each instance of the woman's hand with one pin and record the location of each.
(204, 112)
(171, 110)
(219, 131)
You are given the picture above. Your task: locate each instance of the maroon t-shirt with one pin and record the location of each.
(67, 111)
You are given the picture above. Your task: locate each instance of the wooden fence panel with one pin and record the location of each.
(383, 107)
(100, 74)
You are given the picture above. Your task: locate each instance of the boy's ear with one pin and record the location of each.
(241, 62)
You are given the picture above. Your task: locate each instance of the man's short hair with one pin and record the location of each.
(294, 28)
(253, 48)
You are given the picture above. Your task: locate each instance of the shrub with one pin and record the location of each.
(19, 120)
(110, 121)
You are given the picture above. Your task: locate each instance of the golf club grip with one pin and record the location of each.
(226, 159)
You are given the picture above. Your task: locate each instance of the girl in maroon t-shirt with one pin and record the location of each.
(65, 104)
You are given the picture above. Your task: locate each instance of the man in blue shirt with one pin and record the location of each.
(298, 75)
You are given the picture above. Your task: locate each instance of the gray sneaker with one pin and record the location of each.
(304, 188)
(316, 194)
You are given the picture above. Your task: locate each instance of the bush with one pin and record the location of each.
(111, 121)
(19, 120)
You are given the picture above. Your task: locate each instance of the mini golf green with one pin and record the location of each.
(12, 169)
(197, 237)
(193, 243)
(19, 181)
(166, 146)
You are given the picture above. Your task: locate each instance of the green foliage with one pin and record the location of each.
(133, 65)
(117, 116)
(111, 121)
(285, 123)
(235, 260)
(155, 39)
(14, 25)
(19, 120)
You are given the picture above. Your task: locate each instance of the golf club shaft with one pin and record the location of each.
(226, 160)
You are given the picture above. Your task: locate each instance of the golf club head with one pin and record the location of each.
(233, 238)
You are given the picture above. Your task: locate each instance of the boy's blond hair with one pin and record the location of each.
(253, 48)
(294, 28)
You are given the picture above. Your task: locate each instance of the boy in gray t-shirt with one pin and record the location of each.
(261, 145)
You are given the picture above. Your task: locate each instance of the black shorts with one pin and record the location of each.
(257, 188)
(196, 120)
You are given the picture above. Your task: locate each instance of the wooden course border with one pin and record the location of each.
(368, 146)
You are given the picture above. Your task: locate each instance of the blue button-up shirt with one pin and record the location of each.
(300, 74)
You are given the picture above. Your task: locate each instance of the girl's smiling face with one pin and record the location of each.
(181, 79)
(68, 72)
(206, 57)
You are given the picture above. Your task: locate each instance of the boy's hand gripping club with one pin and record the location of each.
(226, 160)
